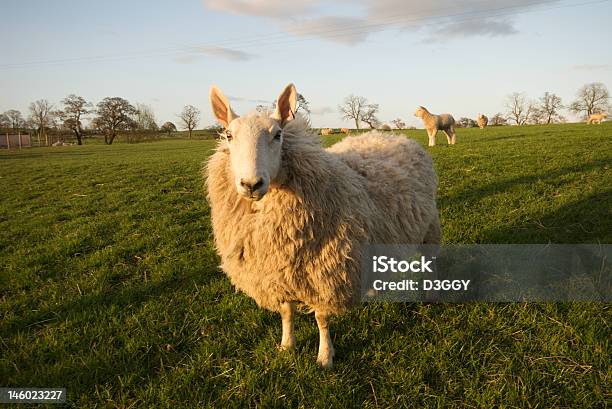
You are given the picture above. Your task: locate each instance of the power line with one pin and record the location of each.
(309, 34)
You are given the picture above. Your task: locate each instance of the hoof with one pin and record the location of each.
(326, 361)
(287, 345)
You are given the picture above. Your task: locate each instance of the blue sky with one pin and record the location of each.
(461, 57)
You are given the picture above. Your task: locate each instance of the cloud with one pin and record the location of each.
(322, 110)
(221, 52)
(337, 29)
(592, 67)
(484, 28)
(262, 8)
(439, 18)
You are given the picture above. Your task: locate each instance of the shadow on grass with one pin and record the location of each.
(584, 221)
(132, 296)
(45, 154)
(479, 193)
(86, 368)
(496, 138)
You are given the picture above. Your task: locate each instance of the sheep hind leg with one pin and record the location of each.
(287, 310)
(450, 136)
(326, 348)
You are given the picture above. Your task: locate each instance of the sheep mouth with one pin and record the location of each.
(254, 196)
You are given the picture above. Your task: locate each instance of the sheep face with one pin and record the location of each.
(254, 144)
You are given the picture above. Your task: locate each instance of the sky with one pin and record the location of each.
(458, 56)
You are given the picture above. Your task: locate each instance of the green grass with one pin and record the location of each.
(110, 286)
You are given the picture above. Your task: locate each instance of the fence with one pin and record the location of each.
(15, 141)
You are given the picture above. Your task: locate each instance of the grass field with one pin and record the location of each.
(110, 286)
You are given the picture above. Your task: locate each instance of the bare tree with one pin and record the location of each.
(520, 109)
(15, 119)
(591, 99)
(548, 108)
(75, 108)
(399, 124)
(145, 118)
(353, 108)
(498, 120)
(114, 114)
(168, 128)
(41, 116)
(369, 116)
(360, 110)
(302, 104)
(190, 118)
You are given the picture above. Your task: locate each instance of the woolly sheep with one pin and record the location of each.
(344, 130)
(597, 118)
(327, 131)
(291, 219)
(434, 123)
(482, 121)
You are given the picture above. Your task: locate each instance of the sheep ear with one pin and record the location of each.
(285, 105)
(221, 107)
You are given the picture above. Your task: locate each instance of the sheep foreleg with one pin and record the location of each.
(288, 340)
(432, 136)
(326, 348)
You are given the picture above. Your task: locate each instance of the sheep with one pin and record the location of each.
(344, 130)
(326, 131)
(482, 121)
(291, 219)
(597, 118)
(434, 123)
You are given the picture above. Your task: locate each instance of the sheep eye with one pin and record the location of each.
(277, 136)
(228, 135)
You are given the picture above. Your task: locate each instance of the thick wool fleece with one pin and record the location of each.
(303, 240)
(442, 122)
(482, 121)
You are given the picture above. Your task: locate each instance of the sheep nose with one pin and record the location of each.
(250, 186)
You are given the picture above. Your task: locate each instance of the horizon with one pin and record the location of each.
(461, 59)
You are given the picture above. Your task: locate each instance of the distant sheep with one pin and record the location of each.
(434, 123)
(291, 220)
(597, 118)
(344, 130)
(482, 121)
(327, 131)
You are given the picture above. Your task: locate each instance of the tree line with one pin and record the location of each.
(590, 99)
(113, 115)
(108, 117)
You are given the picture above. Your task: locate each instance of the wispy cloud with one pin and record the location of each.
(438, 19)
(226, 53)
(592, 67)
(484, 28)
(263, 8)
(329, 28)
